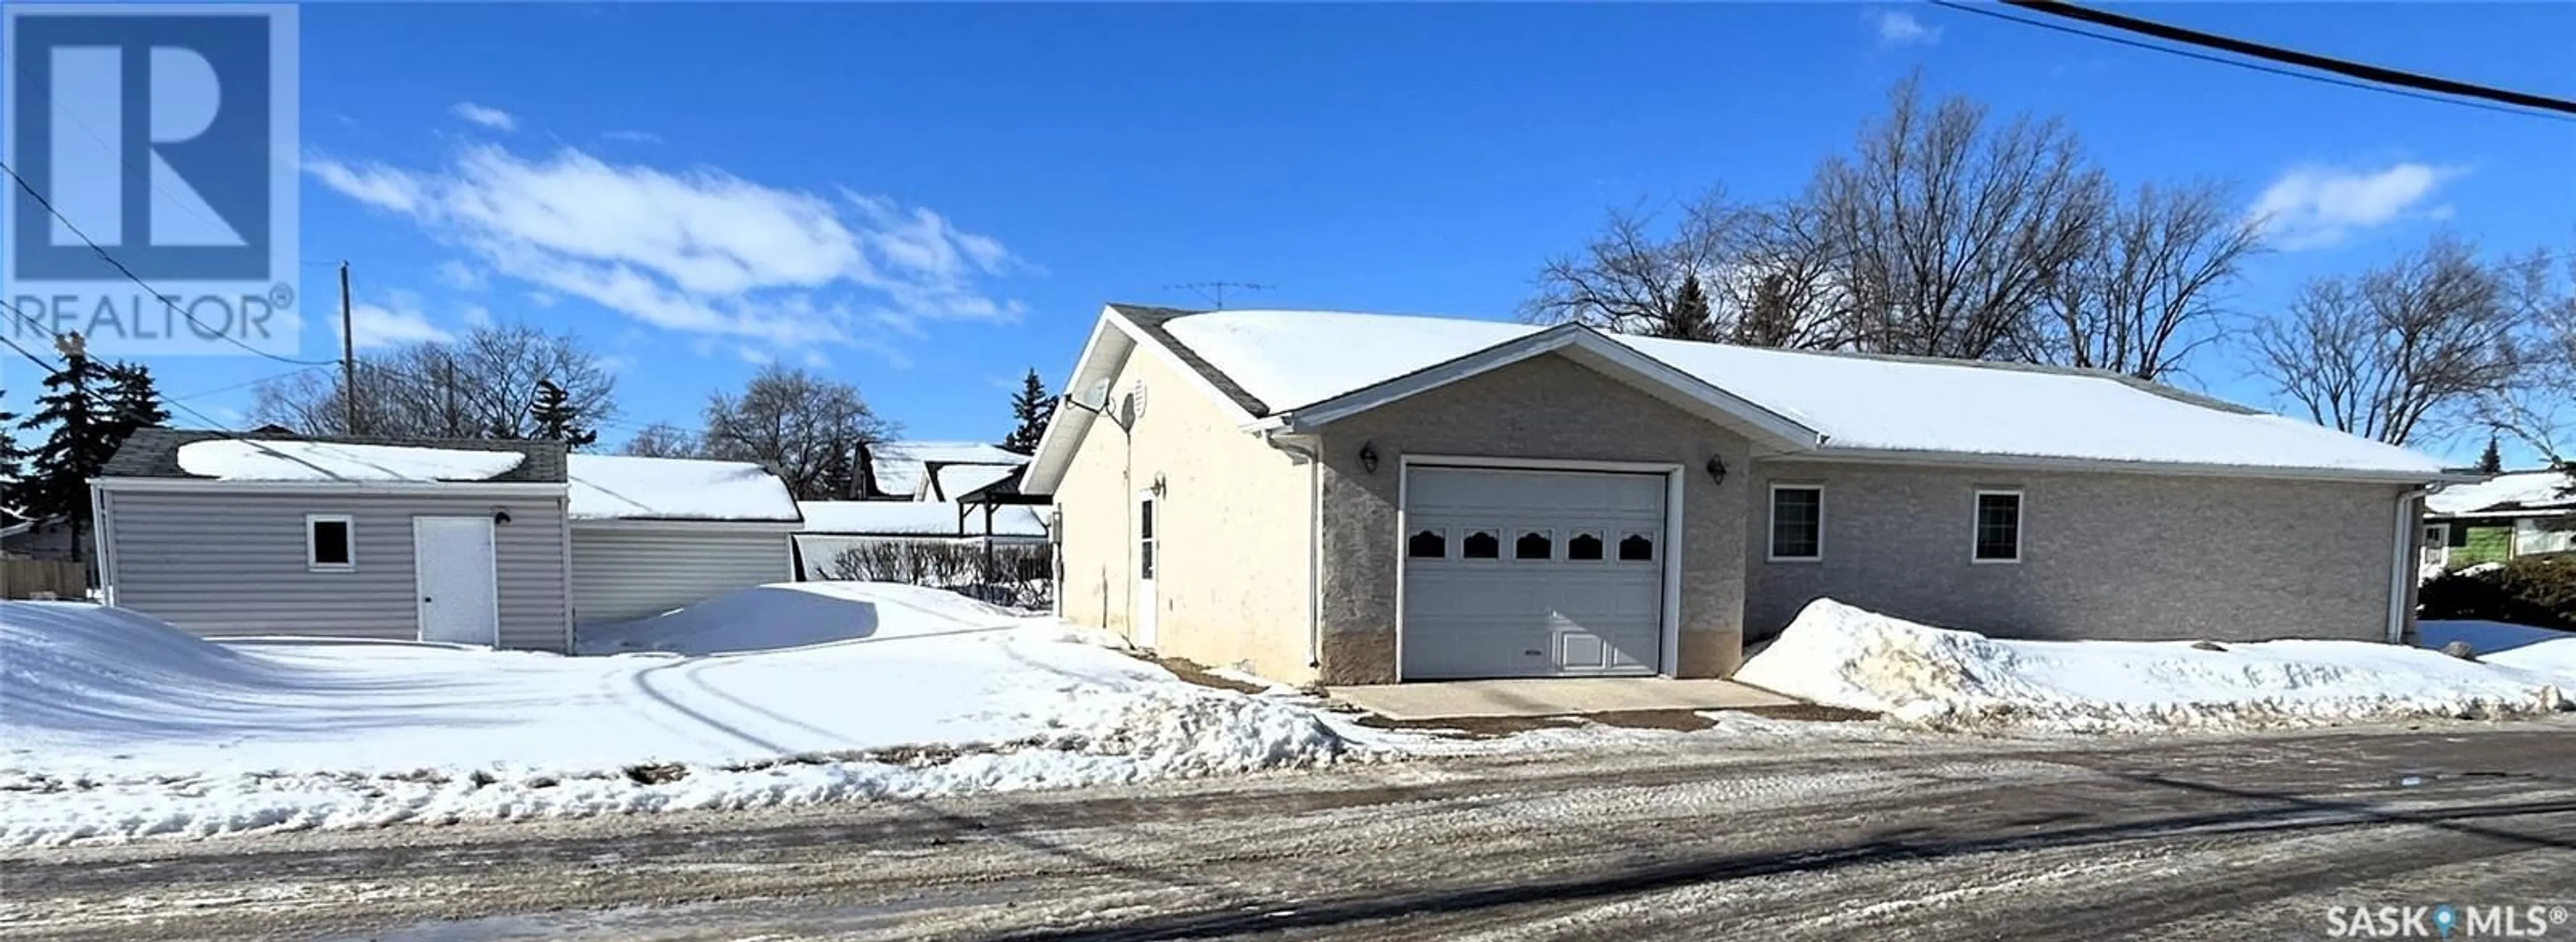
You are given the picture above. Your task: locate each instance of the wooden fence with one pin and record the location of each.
(34, 578)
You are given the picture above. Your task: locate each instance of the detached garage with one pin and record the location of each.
(653, 534)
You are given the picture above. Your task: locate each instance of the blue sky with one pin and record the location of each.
(928, 200)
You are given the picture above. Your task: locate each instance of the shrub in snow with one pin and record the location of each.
(2526, 590)
(1016, 574)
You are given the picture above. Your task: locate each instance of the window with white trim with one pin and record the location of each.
(330, 543)
(1797, 522)
(1998, 537)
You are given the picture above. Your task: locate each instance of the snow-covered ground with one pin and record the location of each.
(1843, 656)
(115, 725)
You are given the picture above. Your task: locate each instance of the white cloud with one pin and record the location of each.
(632, 137)
(1901, 28)
(460, 276)
(401, 322)
(699, 251)
(2314, 205)
(493, 118)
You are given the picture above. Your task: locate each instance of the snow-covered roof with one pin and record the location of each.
(1288, 360)
(916, 518)
(617, 487)
(958, 480)
(2521, 490)
(900, 466)
(228, 459)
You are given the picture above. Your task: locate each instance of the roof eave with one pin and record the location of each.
(1832, 453)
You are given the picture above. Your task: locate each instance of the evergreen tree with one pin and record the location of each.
(132, 401)
(1031, 407)
(12, 489)
(557, 418)
(2491, 461)
(80, 435)
(1687, 318)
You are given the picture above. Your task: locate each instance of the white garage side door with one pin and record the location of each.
(1511, 573)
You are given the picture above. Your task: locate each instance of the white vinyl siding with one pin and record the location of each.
(620, 573)
(221, 562)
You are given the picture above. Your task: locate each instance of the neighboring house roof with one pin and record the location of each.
(902, 468)
(270, 457)
(955, 481)
(915, 518)
(617, 487)
(1296, 370)
(2505, 494)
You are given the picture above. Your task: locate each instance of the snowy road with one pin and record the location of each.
(2184, 839)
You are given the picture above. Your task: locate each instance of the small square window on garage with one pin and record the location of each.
(1797, 522)
(1998, 527)
(327, 543)
(1427, 544)
(1481, 544)
(1585, 545)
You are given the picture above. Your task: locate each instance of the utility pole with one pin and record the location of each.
(348, 358)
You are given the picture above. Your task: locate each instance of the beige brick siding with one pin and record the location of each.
(1545, 408)
(2104, 555)
(1233, 527)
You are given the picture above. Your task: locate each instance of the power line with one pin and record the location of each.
(2410, 85)
(129, 274)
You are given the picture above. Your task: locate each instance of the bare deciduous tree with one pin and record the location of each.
(2536, 408)
(662, 440)
(806, 428)
(2407, 353)
(478, 386)
(1950, 230)
(2145, 291)
(1630, 278)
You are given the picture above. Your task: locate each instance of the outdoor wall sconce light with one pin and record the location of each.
(500, 515)
(1368, 457)
(1716, 469)
(1160, 486)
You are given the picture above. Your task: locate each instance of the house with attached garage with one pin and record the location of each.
(1360, 498)
(502, 543)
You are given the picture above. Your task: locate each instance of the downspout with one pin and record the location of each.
(1314, 541)
(2403, 570)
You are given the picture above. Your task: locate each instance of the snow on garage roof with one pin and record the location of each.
(2521, 490)
(1856, 403)
(899, 466)
(228, 459)
(618, 487)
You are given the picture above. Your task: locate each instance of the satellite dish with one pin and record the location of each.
(1133, 407)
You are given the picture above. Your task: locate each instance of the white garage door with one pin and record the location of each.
(1532, 573)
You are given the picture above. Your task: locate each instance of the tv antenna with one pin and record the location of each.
(1214, 291)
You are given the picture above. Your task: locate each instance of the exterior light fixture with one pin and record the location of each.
(1716, 469)
(500, 516)
(1368, 457)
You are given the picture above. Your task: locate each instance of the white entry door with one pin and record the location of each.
(452, 566)
(1511, 573)
(1142, 634)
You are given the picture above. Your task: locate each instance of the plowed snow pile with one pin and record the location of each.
(1842, 656)
(115, 725)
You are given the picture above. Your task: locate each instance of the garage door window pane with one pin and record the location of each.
(1636, 548)
(1428, 544)
(1797, 522)
(1482, 544)
(1585, 546)
(1534, 544)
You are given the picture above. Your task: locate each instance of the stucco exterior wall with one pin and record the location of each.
(1233, 527)
(2104, 555)
(1548, 407)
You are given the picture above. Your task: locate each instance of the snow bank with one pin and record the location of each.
(1842, 656)
(115, 726)
(621, 487)
(240, 460)
(2538, 650)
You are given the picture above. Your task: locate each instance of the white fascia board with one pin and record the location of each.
(684, 524)
(1107, 349)
(1173, 360)
(1755, 421)
(486, 488)
(1962, 459)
